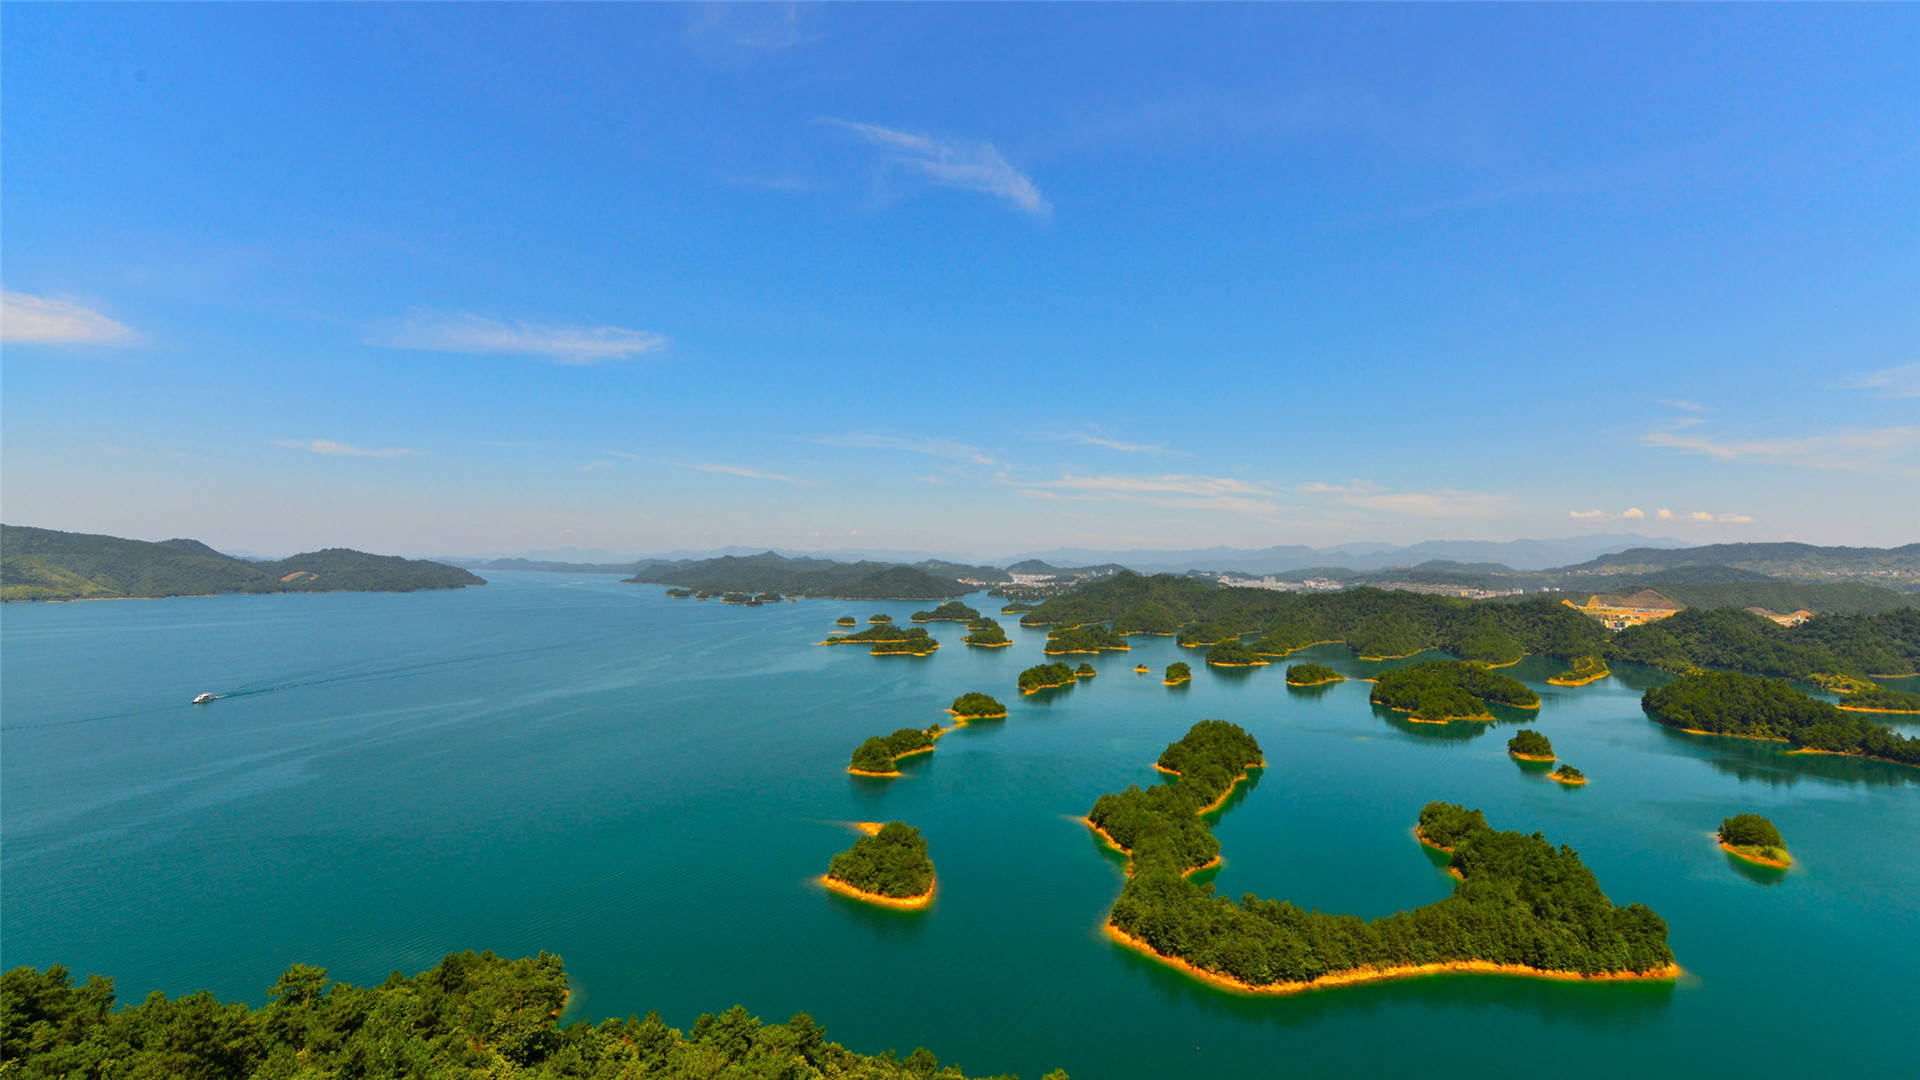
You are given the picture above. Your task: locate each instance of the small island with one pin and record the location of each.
(1312, 675)
(1568, 775)
(1232, 653)
(1018, 607)
(1045, 677)
(1084, 671)
(1530, 745)
(880, 618)
(889, 867)
(1586, 669)
(1751, 707)
(1441, 691)
(1179, 673)
(986, 634)
(680, 594)
(846, 620)
(1093, 638)
(1755, 839)
(1141, 669)
(889, 640)
(977, 706)
(879, 755)
(951, 611)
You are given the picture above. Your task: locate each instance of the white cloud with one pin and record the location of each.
(1169, 483)
(1701, 515)
(36, 320)
(940, 448)
(1850, 450)
(1633, 513)
(1439, 503)
(464, 332)
(1085, 439)
(1665, 514)
(340, 449)
(1893, 382)
(1589, 515)
(741, 470)
(1682, 403)
(966, 164)
(748, 29)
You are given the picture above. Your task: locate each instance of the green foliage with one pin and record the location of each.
(1161, 825)
(1178, 672)
(1312, 675)
(986, 632)
(880, 617)
(1084, 671)
(1448, 689)
(1231, 653)
(1200, 634)
(1725, 703)
(876, 633)
(915, 643)
(1149, 617)
(951, 611)
(1569, 773)
(1750, 830)
(1881, 699)
(844, 620)
(892, 863)
(1445, 825)
(1017, 607)
(682, 594)
(471, 1015)
(1530, 743)
(975, 704)
(878, 753)
(768, 572)
(1584, 669)
(42, 564)
(1043, 676)
(1092, 638)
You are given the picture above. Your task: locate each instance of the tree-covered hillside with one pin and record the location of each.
(44, 564)
(768, 572)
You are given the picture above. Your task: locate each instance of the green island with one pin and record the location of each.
(1529, 745)
(977, 706)
(882, 617)
(472, 1014)
(1879, 699)
(1312, 675)
(844, 620)
(769, 572)
(1568, 775)
(1178, 673)
(705, 594)
(1232, 653)
(736, 598)
(1141, 669)
(986, 634)
(951, 611)
(1439, 691)
(679, 594)
(1755, 839)
(45, 564)
(1018, 607)
(1084, 671)
(1751, 707)
(1584, 670)
(1091, 638)
(916, 643)
(887, 866)
(1045, 677)
(1521, 906)
(1203, 634)
(880, 754)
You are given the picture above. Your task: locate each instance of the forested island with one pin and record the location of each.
(880, 754)
(1092, 638)
(888, 866)
(1879, 699)
(1312, 675)
(844, 620)
(1568, 775)
(977, 706)
(1529, 745)
(1085, 671)
(679, 594)
(1584, 670)
(1232, 653)
(1439, 691)
(1045, 677)
(770, 572)
(470, 1015)
(951, 611)
(1178, 672)
(1017, 607)
(879, 617)
(44, 564)
(1754, 839)
(1750, 707)
(889, 640)
(1521, 906)
(984, 633)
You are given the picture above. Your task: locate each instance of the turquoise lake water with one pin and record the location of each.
(649, 787)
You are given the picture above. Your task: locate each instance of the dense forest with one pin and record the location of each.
(1520, 900)
(1312, 675)
(892, 863)
(951, 611)
(1698, 638)
(1231, 653)
(878, 632)
(1044, 677)
(1881, 699)
(1085, 671)
(987, 634)
(1178, 672)
(977, 706)
(1528, 743)
(42, 564)
(1754, 837)
(877, 756)
(471, 1015)
(1449, 690)
(1726, 703)
(916, 643)
(1092, 638)
(769, 572)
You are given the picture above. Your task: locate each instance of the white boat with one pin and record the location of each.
(203, 699)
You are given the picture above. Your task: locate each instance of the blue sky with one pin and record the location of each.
(976, 279)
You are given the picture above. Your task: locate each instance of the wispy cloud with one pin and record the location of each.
(36, 320)
(464, 332)
(1849, 450)
(1100, 440)
(1683, 404)
(749, 29)
(741, 470)
(340, 449)
(1167, 484)
(1438, 503)
(967, 164)
(1173, 491)
(939, 448)
(1893, 382)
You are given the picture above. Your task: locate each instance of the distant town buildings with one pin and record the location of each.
(1619, 612)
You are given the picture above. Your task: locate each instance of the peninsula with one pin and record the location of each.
(1755, 839)
(1879, 699)
(880, 754)
(889, 867)
(1584, 670)
(1747, 706)
(1440, 691)
(1312, 675)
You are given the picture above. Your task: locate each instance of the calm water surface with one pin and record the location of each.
(649, 787)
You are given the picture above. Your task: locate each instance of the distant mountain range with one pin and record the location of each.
(43, 564)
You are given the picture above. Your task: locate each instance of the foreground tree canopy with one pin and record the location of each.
(1724, 703)
(1449, 690)
(471, 1015)
(892, 863)
(1520, 901)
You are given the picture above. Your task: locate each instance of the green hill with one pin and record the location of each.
(769, 572)
(44, 564)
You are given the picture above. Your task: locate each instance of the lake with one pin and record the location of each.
(650, 787)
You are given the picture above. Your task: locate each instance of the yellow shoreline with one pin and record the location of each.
(1048, 686)
(1518, 756)
(1177, 682)
(1400, 656)
(1355, 976)
(1318, 682)
(1569, 781)
(988, 644)
(1297, 648)
(904, 903)
(1222, 800)
(1223, 663)
(1558, 681)
(1108, 839)
(1001, 715)
(1752, 858)
(1882, 712)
